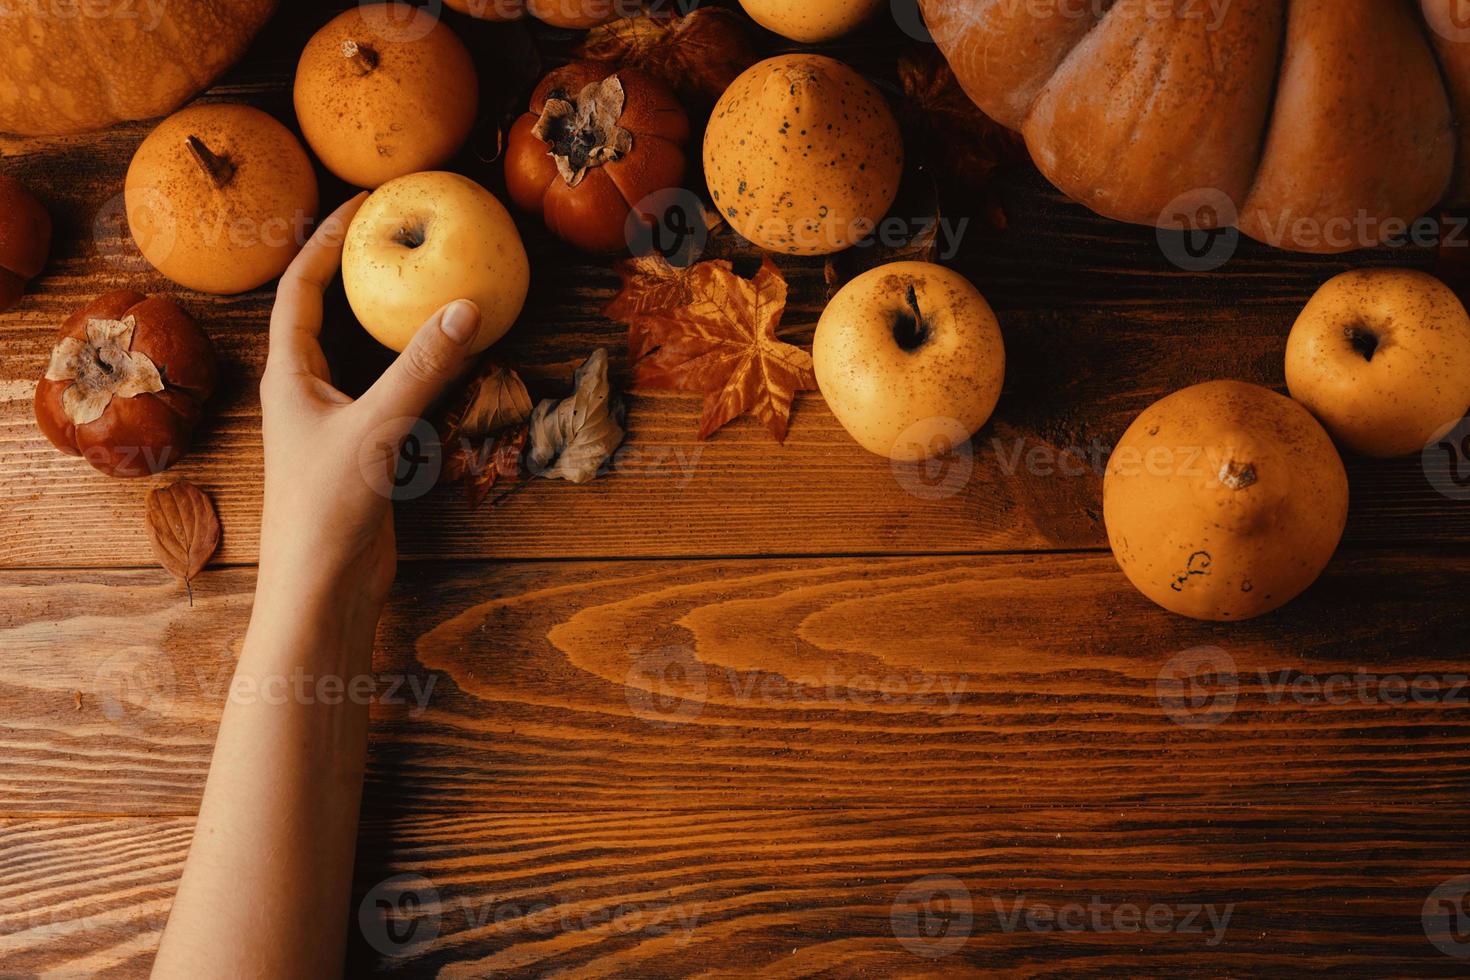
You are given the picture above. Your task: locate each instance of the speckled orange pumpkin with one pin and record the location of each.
(380, 99)
(220, 198)
(811, 21)
(803, 155)
(1224, 501)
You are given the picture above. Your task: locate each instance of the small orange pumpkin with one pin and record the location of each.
(1224, 501)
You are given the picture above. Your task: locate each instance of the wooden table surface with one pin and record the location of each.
(744, 707)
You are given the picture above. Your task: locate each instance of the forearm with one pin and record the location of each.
(265, 889)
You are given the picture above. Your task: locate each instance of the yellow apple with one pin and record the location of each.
(909, 356)
(811, 21)
(1382, 358)
(425, 240)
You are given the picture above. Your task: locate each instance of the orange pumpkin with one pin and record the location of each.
(1314, 125)
(74, 73)
(1224, 501)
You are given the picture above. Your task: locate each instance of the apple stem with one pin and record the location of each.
(1238, 476)
(364, 57)
(220, 170)
(911, 332)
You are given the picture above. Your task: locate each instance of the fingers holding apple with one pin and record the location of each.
(907, 356)
(1382, 358)
(423, 241)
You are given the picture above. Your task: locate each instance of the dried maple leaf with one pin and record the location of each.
(722, 344)
(965, 144)
(183, 529)
(650, 285)
(481, 466)
(697, 55)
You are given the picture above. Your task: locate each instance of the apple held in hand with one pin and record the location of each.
(425, 240)
(1382, 358)
(909, 357)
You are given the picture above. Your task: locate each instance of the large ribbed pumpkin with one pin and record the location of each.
(65, 68)
(1315, 125)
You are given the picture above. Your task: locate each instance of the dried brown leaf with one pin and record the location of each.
(722, 344)
(697, 55)
(650, 285)
(183, 529)
(960, 141)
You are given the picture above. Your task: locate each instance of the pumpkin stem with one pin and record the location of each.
(1238, 476)
(220, 170)
(364, 58)
(912, 330)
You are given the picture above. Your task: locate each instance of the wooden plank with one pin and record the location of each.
(1098, 323)
(1012, 680)
(1263, 890)
(1088, 346)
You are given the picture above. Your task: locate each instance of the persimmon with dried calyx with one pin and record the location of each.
(25, 240)
(596, 143)
(126, 384)
(1224, 501)
(379, 99)
(220, 198)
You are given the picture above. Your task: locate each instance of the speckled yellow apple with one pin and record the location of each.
(811, 21)
(908, 356)
(425, 240)
(1382, 358)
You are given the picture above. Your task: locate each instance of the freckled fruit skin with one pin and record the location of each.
(1224, 501)
(577, 14)
(405, 104)
(468, 248)
(811, 21)
(909, 404)
(803, 155)
(221, 239)
(1382, 358)
(500, 10)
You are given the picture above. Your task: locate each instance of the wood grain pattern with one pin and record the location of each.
(1264, 890)
(781, 683)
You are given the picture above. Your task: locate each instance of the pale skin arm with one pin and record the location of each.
(266, 886)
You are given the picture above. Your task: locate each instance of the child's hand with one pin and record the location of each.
(328, 519)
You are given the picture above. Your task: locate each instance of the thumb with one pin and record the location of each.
(433, 358)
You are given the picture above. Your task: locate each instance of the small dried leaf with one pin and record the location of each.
(571, 439)
(962, 142)
(183, 529)
(722, 344)
(480, 467)
(697, 55)
(498, 400)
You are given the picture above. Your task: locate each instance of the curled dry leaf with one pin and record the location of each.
(184, 530)
(485, 437)
(721, 343)
(697, 55)
(960, 141)
(571, 439)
